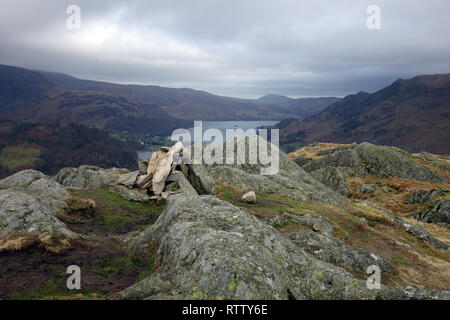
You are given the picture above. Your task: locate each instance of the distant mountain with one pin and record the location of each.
(184, 103)
(49, 147)
(301, 107)
(410, 114)
(19, 86)
(30, 96)
(275, 99)
(305, 107)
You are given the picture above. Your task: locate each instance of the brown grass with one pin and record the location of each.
(310, 152)
(15, 242)
(432, 166)
(18, 242)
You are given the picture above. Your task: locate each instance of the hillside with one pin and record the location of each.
(301, 107)
(49, 147)
(411, 114)
(29, 96)
(180, 103)
(301, 239)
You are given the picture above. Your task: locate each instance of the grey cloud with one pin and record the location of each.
(239, 48)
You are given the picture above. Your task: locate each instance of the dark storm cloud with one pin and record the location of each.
(241, 48)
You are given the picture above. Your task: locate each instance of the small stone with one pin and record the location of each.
(128, 179)
(249, 197)
(143, 165)
(172, 186)
(315, 228)
(172, 178)
(143, 181)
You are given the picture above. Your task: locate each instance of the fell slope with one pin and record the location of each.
(410, 114)
(49, 147)
(183, 103)
(29, 96)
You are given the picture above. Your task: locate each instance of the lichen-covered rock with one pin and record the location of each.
(183, 183)
(306, 220)
(143, 166)
(200, 179)
(325, 246)
(421, 196)
(36, 183)
(368, 188)
(330, 249)
(209, 249)
(86, 177)
(30, 202)
(136, 195)
(438, 213)
(381, 161)
(333, 178)
(128, 179)
(22, 212)
(348, 157)
(290, 178)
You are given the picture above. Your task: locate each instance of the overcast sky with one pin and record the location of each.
(242, 48)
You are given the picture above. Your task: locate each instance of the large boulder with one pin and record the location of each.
(381, 161)
(86, 177)
(200, 179)
(22, 212)
(128, 179)
(30, 202)
(325, 246)
(438, 213)
(289, 179)
(421, 196)
(330, 249)
(35, 183)
(209, 249)
(333, 178)
(388, 161)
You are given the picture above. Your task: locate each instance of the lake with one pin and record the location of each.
(222, 126)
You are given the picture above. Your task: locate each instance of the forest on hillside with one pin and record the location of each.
(51, 146)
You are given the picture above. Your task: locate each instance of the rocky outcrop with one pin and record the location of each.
(418, 232)
(421, 196)
(290, 178)
(36, 183)
(128, 179)
(330, 249)
(136, 195)
(320, 242)
(209, 249)
(438, 213)
(368, 188)
(86, 177)
(381, 161)
(200, 179)
(30, 202)
(333, 178)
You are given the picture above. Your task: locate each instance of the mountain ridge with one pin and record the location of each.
(412, 114)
